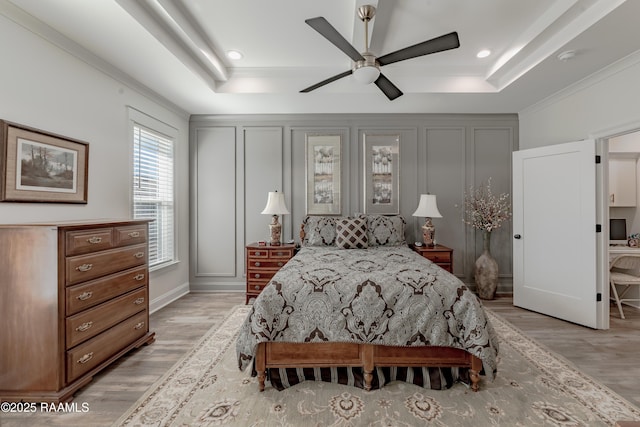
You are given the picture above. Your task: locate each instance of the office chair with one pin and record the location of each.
(624, 270)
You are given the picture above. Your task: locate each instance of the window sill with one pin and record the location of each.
(163, 266)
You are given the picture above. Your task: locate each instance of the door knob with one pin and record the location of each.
(517, 236)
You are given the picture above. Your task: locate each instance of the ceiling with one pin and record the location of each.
(175, 49)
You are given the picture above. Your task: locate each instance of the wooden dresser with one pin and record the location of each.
(74, 297)
(441, 255)
(262, 263)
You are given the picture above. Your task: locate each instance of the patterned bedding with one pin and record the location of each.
(386, 295)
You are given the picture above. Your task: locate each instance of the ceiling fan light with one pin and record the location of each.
(366, 75)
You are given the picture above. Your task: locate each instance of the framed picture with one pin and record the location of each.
(37, 166)
(323, 174)
(381, 174)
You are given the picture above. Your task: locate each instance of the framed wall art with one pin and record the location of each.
(381, 174)
(323, 174)
(37, 166)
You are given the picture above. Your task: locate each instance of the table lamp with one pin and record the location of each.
(428, 209)
(275, 206)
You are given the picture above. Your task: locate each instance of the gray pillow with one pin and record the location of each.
(385, 230)
(319, 231)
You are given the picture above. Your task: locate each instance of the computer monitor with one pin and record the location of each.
(617, 231)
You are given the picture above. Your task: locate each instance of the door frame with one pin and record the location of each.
(602, 137)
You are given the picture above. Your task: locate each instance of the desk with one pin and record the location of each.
(614, 251)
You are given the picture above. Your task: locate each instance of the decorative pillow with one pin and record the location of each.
(351, 233)
(385, 230)
(319, 231)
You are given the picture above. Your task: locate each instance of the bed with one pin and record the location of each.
(357, 306)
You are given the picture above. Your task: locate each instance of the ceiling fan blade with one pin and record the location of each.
(322, 26)
(327, 81)
(387, 87)
(439, 44)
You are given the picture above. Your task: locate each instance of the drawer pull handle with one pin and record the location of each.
(134, 234)
(279, 253)
(139, 325)
(257, 264)
(84, 267)
(94, 240)
(85, 295)
(257, 275)
(138, 254)
(280, 264)
(139, 301)
(84, 359)
(257, 287)
(139, 277)
(258, 253)
(85, 326)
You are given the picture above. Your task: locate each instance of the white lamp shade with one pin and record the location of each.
(275, 204)
(366, 75)
(427, 208)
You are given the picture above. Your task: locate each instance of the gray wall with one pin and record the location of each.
(237, 160)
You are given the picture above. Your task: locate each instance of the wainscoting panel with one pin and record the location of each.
(215, 201)
(263, 172)
(492, 156)
(445, 177)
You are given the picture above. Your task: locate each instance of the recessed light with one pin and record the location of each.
(234, 54)
(483, 53)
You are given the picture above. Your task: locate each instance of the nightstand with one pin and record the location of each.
(262, 263)
(441, 255)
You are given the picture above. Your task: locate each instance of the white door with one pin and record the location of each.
(554, 227)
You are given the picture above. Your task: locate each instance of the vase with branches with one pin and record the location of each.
(486, 212)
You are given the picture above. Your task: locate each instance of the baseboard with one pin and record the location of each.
(168, 298)
(504, 288)
(219, 287)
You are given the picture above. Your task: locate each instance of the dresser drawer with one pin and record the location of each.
(91, 322)
(86, 267)
(90, 354)
(269, 263)
(86, 295)
(436, 256)
(261, 275)
(130, 235)
(281, 254)
(85, 241)
(258, 253)
(255, 287)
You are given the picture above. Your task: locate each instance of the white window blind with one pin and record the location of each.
(153, 196)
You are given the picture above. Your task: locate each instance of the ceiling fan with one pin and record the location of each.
(366, 68)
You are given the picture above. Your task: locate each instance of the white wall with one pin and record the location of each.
(607, 100)
(602, 105)
(44, 87)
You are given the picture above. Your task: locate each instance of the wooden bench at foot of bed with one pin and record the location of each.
(366, 356)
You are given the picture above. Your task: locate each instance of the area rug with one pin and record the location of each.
(534, 387)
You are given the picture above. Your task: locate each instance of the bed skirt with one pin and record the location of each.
(426, 377)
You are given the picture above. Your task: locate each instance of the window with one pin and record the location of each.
(153, 196)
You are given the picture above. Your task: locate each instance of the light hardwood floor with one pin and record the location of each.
(609, 356)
